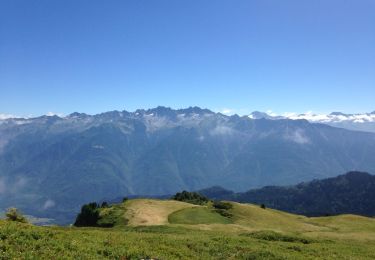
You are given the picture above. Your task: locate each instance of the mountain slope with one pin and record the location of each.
(352, 193)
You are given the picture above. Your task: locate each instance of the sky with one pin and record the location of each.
(235, 56)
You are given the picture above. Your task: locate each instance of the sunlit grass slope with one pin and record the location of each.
(197, 215)
(166, 229)
(20, 241)
(245, 217)
(145, 212)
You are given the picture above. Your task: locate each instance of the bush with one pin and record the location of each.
(190, 197)
(222, 208)
(263, 206)
(14, 215)
(222, 205)
(89, 215)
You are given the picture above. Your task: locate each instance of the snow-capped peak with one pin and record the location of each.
(320, 118)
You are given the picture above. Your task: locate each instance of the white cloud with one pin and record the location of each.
(227, 111)
(54, 114)
(98, 146)
(48, 204)
(298, 136)
(6, 116)
(222, 130)
(155, 122)
(269, 112)
(329, 118)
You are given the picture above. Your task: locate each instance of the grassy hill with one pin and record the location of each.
(166, 229)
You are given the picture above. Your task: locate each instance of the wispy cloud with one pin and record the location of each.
(7, 116)
(298, 136)
(222, 130)
(227, 111)
(271, 113)
(48, 204)
(54, 114)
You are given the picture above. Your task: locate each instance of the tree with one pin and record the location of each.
(89, 215)
(14, 215)
(104, 204)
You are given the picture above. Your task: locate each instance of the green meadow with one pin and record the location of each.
(164, 229)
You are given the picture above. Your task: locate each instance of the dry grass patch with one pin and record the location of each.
(146, 212)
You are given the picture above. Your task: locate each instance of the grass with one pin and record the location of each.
(251, 233)
(113, 216)
(197, 215)
(274, 236)
(20, 241)
(147, 212)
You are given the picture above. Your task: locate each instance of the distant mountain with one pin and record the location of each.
(51, 165)
(358, 122)
(352, 193)
(217, 193)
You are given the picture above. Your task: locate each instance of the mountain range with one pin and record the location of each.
(350, 193)
(359, 122)
(50, 164)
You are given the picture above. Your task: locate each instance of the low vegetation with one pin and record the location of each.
(169, 229)
(274, 236)
(223, 208)
(191, 197)
(13, 214)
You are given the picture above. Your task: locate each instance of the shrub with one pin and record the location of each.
(222, 208)
(222, 205)
(190, 197)
(89, 215)
(263, 206)
(14, 215)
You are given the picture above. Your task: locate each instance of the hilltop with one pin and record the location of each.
(242, 218)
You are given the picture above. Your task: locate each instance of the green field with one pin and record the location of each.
(177, 230)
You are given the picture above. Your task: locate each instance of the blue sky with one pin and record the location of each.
(95, 56)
